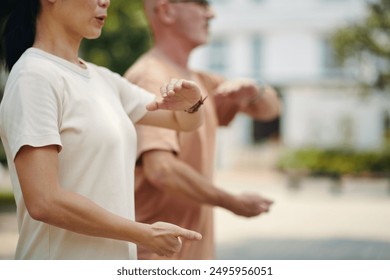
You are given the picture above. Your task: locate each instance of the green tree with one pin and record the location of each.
(124, 38)
(368, 39)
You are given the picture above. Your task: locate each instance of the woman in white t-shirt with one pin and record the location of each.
(68, 130)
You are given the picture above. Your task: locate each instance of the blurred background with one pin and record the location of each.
(325, 162)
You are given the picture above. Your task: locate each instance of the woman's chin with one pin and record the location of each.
(94, 35)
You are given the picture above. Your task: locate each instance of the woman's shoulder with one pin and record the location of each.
(36, 63)
(34, 71)
(31, 61)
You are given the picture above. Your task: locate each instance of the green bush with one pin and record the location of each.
(336, 162)
(7, 201)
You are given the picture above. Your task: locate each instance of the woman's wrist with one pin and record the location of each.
(194, 108)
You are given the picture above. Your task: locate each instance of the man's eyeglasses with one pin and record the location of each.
(204, 3)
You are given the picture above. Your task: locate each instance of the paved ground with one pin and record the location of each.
(312, 222)
(317, 221)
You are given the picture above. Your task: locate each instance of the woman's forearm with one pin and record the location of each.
(48, 202)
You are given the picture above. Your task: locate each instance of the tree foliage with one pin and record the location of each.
(368, 39)
(124, 38)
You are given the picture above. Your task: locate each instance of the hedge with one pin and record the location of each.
(336, 162)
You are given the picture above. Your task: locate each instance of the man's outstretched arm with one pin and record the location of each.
(168, 173)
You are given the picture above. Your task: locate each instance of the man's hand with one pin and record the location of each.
(250, 205)
(259, 102)
(178, 95)
(240, 91)
(166, 238)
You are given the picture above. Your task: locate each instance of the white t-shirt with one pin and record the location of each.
(89, 113)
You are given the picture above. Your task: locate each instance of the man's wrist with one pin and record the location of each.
(259, 94)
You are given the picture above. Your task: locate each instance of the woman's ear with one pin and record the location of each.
(165, 11)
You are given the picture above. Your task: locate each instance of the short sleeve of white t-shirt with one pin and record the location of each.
(131, 95)
(33, 110)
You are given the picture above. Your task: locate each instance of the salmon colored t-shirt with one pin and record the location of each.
(196, 148)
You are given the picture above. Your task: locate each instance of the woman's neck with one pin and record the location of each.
(61, 46)
(60, 52)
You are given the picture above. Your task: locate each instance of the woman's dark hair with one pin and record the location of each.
(17, 23)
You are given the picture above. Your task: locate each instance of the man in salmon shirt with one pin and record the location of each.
(174, 176)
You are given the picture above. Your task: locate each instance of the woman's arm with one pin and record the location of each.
(46, 201)
(176, 109)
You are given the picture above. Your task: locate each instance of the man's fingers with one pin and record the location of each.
(265, 204)
(269, 202)
(263, 208)
(266, 201)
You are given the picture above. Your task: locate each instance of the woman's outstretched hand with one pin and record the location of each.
(166, 238)
(178, 95)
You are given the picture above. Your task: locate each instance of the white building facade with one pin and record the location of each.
(281, 41)
(286, 43)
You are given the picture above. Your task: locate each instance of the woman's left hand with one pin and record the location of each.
(178, 95)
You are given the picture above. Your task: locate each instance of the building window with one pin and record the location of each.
(331, 67)
(257, 60)
(217, 55)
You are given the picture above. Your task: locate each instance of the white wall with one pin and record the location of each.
(292, 33)
(290, 57)
(333, 118)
